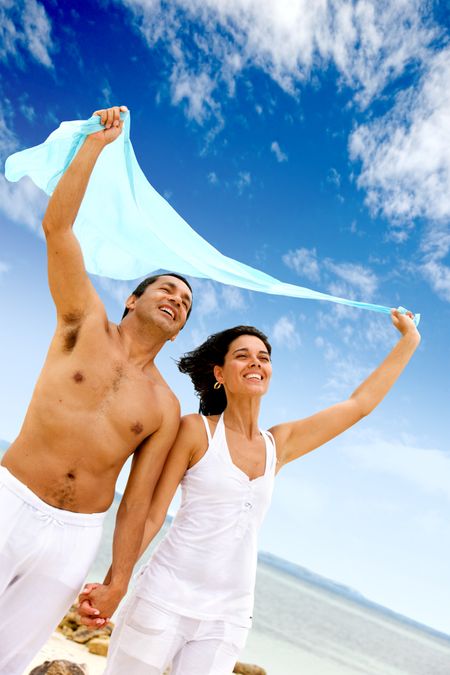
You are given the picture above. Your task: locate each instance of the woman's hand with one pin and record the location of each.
(404, 323)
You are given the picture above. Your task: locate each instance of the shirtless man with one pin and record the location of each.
(99, 398)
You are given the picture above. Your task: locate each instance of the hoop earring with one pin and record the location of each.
(217, 385)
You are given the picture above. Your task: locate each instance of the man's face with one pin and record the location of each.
(166, 302)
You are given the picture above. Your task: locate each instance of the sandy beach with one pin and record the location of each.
(59, 647)
(259, 650)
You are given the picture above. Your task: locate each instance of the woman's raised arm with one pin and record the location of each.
(295, 439)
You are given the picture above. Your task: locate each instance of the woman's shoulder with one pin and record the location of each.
(194, 423)
(191, 423)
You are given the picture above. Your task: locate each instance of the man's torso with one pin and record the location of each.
(91, 408)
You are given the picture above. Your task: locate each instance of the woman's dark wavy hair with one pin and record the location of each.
(199, 365)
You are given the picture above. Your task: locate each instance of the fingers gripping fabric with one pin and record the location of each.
(135, 232)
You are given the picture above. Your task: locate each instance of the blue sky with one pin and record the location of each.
(311, 141)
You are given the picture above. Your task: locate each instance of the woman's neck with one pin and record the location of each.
(242, 416)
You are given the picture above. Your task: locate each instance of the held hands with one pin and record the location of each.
(110, 119)
(97, 603)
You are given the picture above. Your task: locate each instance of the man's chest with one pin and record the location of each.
(105, 391)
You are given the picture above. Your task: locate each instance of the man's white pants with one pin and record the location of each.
(45, 554)
(148, 638)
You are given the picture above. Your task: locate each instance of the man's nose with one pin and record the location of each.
(176, 300)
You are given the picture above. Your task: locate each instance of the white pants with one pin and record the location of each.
(148, 638)
(45, 554)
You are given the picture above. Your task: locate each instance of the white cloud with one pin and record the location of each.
(243, 181)
(23, 203)
(4, 268)
(212, 42)
(438, 275)
(28, 112)
(330, 351)
(304, 262)
(8, 139)
(404, 155)
(206, 300)
(118, 290)
(401, 457)
(436, 243)
(405, 166)
(212, 178)
(435, 247)
(25, 26)
(344, 375)
(195, 89)
(233, 297)
(334, 177)
(277, 151)
(214, 298)
(284, 333)
(348, 279)
(107, 94)
(358, 277)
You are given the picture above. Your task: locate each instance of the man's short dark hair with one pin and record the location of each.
(139, 290)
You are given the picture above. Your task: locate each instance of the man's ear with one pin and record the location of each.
(131, 302)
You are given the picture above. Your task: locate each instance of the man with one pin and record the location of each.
(99, 398)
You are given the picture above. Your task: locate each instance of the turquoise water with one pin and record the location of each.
(301, 628)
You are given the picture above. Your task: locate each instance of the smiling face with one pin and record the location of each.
(247, 368)
(166, 303)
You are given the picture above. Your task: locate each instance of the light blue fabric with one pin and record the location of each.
(127, 230)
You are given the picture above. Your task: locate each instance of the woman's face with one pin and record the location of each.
(247, 368)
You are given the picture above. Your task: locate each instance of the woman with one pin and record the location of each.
(192, 604)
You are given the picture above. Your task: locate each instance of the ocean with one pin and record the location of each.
(307, 625)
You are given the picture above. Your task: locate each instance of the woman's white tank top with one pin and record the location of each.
(205, 567)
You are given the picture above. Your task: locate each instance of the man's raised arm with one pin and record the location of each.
(70, 286)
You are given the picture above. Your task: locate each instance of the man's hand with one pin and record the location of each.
(97, 603)
(89, 615)
(110, 119)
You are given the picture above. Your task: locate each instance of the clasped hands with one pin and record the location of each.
(97, 603)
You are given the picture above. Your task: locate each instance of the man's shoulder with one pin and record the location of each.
(169, 403)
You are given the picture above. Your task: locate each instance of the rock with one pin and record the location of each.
(84, 634)
(66, 631)
(71, 620)
(98, 646)
(59, 668)
(248, 669)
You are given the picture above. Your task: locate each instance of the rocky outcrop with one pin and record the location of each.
(97, 641)
(59, 668)
(99, 645)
